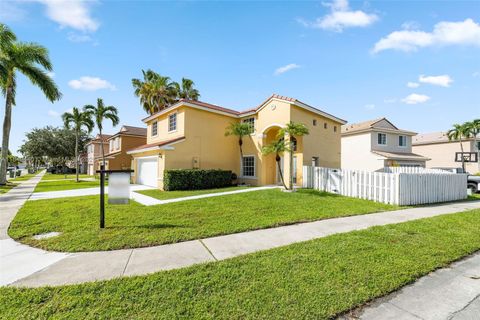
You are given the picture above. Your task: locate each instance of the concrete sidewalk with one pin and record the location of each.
(18, 260)
(449, 293)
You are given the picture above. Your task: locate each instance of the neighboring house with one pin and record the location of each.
(375, 144)
(94, 152)
(436, 146)
(116, 156)
(82, 163)
(191, 134)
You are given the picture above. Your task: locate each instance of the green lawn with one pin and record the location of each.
(318, 279)
(7, 187)
(135, 225)
(44, 186)
(163, 195)
(24, 177)
(50, 176)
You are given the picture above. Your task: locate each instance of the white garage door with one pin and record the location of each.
(147, 171)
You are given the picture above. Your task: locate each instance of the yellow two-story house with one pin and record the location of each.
(191, 134)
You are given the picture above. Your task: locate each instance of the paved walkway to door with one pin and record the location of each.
(22, 265)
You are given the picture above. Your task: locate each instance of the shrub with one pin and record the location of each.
(195, 179)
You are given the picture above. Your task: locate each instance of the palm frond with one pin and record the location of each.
(40, 78)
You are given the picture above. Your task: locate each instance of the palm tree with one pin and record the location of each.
(100, 113)
(156, 92)
(277, 147)
(292, 130)
(240, 130)
(186, 90)
(458, 132)
(31, 60)
(474, 129)
(78, 119)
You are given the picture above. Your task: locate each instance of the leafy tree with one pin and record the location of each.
(31, 60)
(457, 133)
(99, 114)
(186, 90)
(277, 147)
(155, 91)
(292, 130)
(474, 130)
(77, 119)
(54, 145)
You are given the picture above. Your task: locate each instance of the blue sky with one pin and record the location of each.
(415, 62)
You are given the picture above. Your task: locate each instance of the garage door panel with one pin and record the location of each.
(147, 172)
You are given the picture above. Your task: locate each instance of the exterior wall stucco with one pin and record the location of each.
(392, 143)
(443, 155)
(357, 155)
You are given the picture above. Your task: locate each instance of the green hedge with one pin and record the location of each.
(195, 179)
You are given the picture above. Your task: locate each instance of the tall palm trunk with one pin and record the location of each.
(240, 144)
(7, 124)
(102, 148)
(291, 164)
(76, 155)
(463, 160)
(277, 159)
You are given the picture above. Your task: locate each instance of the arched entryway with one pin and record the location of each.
(271, 172)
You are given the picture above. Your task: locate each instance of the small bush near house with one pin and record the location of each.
(195, 179)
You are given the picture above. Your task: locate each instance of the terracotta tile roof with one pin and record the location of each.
(432, 137)
(136, 131)
(97, 138)
(235, 112)
(401, 156)
(360, 126)
(156, 144)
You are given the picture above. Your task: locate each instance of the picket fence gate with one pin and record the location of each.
(391, 188)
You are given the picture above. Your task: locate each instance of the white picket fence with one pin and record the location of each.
(391, 188)
(413, 170)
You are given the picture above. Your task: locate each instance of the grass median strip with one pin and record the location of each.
(46, 186)
(318, 279)
(51, 176)
(134, 225)
(164, 195)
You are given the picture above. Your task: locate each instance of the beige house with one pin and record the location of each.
(116, 156)
(441, 151)
(94, 151)
(375, 144)
(191, 134)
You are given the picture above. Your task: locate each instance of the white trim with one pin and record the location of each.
(168, 122)
(146, 157)
(386, 139)
(180, 104)
(406, 143)
(254, 167)
(165, 147)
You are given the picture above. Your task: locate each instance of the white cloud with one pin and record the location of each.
(340, 18)
(389, 100)
(75, 37)
(413, 84)
(90, 84)
(53, 113)
(415, 98)
(444, 33)
(443, 80)
(286, 68)
(51, 74)
(72, 14)
(369, 106)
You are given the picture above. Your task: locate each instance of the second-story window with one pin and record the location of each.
(117, 143)
(172, 122)
(154, 128)
(111, 145)
(402, 141)
(382, 139)
(251, 123)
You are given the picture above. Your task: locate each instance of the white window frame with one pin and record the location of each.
(252, 122)
(405, 139)
(169, 122)
(117, 143)
(155, 125)
(111, 145)
(254, 166)
(378, 136)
